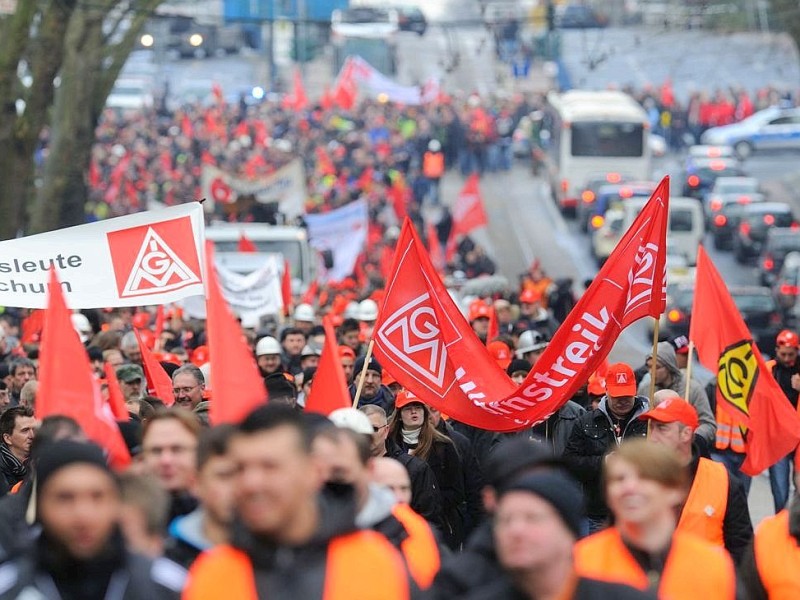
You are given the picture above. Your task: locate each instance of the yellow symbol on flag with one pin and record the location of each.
(737, 374)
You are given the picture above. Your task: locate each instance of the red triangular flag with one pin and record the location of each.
(299, 94)
(745, 388)
(311, 293)
(159, 383)
(435, 249)
(494, 326)
(286, 287)
(116, 400)
(67, 385)
(235, 379)
(329, 387)
(246, 244)
(159, 325)
(468, 213)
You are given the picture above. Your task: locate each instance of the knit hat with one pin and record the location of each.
(559, 490)
(373, 365)
(518, 364)
(65, 453)
(512, 458)
(278, 386)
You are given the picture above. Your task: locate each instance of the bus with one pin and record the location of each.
(596, 132)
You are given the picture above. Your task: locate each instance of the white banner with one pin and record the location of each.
(151, 257)
(250, 296)
(342, 231)
(286, 187)
(379, 84)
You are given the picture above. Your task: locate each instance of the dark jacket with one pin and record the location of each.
(557, 429)
(481, 441)
(46, 570)
(586, 589)
(592, 437)
(15, 533)
(186, 541)
(426, 499)
(473, 477)
(476, 566)
(181, 503)
(783, 375)
(384, 398)
(737, 529)
(12, 471)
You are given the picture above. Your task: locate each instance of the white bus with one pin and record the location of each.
(596, 132)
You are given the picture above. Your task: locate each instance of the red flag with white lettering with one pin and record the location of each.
(433, 352)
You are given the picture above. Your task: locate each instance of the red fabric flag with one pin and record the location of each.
(67, 385)
(329, 387)
(158, 328)
(345, 88)
(116, 400)
(326, 100)
(216, 91)
(424, 340)
(324, 162)
(494, 326)
(286, 287)
(159, 383)
(468, 213)
(32, 327)
(435, 249)
(235, 380)
(299, 97)
(311, 293)
(246, 244)
(745, 388)
(399, 194)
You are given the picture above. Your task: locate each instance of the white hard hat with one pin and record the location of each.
(353, 419)
(351, 311)
(530, 341)
(309, 350)
(304, 312)
(434, 146)
(267, 345)
(81, 325)
(368, 310)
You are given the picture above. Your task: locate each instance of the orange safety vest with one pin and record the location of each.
(777, 558)
(694, 568)
(419, 548)
(226, 572)
(707, 503)
(729, 434)
(433, 165)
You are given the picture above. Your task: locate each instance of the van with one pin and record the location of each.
(289, 242)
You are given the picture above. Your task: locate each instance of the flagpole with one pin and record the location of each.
(689, 364)
(653, 364)
(363, 373)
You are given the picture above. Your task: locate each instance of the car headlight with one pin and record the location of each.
(147, 40)
(196, 40)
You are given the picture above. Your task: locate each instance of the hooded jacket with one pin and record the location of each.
(697, 396)
(592, 437)
(186, 539)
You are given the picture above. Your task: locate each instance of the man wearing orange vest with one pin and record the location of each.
(716, 507)
(345, 450)
(645, 485)
(433, 167)
(292, 541)
(771, 566)
(785, 368)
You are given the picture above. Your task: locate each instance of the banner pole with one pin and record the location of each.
(689, 365)
(363, 373)
(653, 365)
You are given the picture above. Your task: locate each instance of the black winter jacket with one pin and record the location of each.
(586, 589)
(592, 438)
(473, 477)
(426, 499)
(475, 567)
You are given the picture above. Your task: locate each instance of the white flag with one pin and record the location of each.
(342, 231)
(151, 257)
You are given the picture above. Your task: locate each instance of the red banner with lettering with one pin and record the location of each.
(423, 338)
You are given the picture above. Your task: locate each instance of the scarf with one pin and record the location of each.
(411, 436)
(11, 465)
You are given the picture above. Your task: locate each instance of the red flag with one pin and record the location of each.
(326, 101)
(235, 379)
(435, 249)
(216, 91)
(329, 387)
(345, 88)
(494, 326)
(67, 385)
(468, 213)
(32, 327)
(159, 383)
(116, 400)
(745, 388)
(324, 162)
(158, 328)
(311, 293)
(246, 244)
(299, 97)
(399, 194)
(286, 287)
(423, 338)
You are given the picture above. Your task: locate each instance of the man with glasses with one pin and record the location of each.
(188, 384)
(169, 452)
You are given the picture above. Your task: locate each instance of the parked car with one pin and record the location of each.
(708, 151)
(701, 173)
(774, 128)
(411, 18)
(779, 244)
(579, 16)
(755, 221)
(723, 222)
(786, 289)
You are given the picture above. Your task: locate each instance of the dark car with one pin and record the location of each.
(701, 173)
(588, 196)
(674, 321)
(724, 218)
(780, 243)
(609, 196)
(786, 288)
(410, 18)
(755, 221)
(579, 16)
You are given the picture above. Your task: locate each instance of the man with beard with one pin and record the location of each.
(373, 391)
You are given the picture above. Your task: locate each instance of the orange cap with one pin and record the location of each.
(404, 398)
(787, 338)
(479, 310)
(500, 352)
(673, 410)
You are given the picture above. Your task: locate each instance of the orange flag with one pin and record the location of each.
(286, 287)
(246, 244)
(67, 385)
(329, 388)
(115, 398)
(159, 383)
(235, 379)
(745, 388)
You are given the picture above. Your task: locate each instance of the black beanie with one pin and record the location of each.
(518, 364)
(374, 365)
(559, 490)
(65, 453)
(280, 387)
